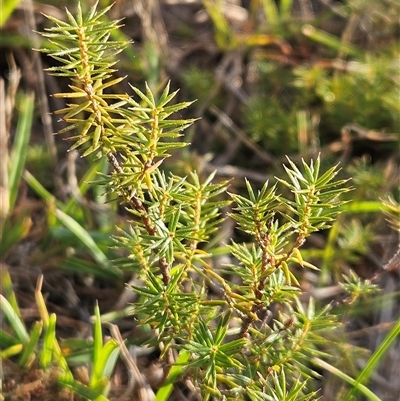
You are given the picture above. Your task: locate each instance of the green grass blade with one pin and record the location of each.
(16, 232)
(88, 267)
(15, 40)
(118, 314)
(57, 354)
(46, 355)
(39, 189)
(7, 287)
(286, 8)
(165, 391)
(109, 356)
(105, 365)
(14, 320)
(28, 355)
(373, 361)
(7, 8)
(329, 252)
(11, 351)
(82, 390)
(364, 207)
(332, 41)
(7, 340)
(20, 145)
(100, 165)
(223, 31)
(61, 361)
(97, 347)
(104, 357)
(40, 302)
(360, 387)
(271, 11)
(84, 237)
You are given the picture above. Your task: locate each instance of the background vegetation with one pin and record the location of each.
(271, 79)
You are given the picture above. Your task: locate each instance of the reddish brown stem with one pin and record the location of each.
(136, 204)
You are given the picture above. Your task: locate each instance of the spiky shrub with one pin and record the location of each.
(229, 344)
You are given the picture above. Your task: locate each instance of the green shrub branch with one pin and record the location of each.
(237, 347)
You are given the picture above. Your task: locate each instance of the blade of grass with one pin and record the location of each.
(88, 267)
(105, 366)
(100, 165)
(7, 287)
(16, 232)
(82, 390)
(39, 189)
(116, 315)
(364, 207)
(373, 361)
(13, 40)
(44, 314)
(11, 351)
(61, 362)
(20, 145)
(40, 302)
(332, 41)
(165, 391)
(97, 346)
(28, 356)
(104, 357)
(7, 8)
(271, 11)
(7, 340)
(49, 338)
(14, 320)
(223, 32)
(109, 356)
(329, 252)
(4, 167)
(77, 351)
(364, 390)
(286, 8)
(85, 239)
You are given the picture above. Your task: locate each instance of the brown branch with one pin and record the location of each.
(136, 204)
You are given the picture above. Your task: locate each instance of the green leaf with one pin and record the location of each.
(85, 238)
(174, 373)
(104, 357)
(360, 387)
(7, 8)
(28, 355)
(7, 340)
(8, 290)
(373, 361)
(49, 339)
(20, 145)
(97, 334)
(14, 320)
(82, 234)
(332, 41)
(81, 389)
